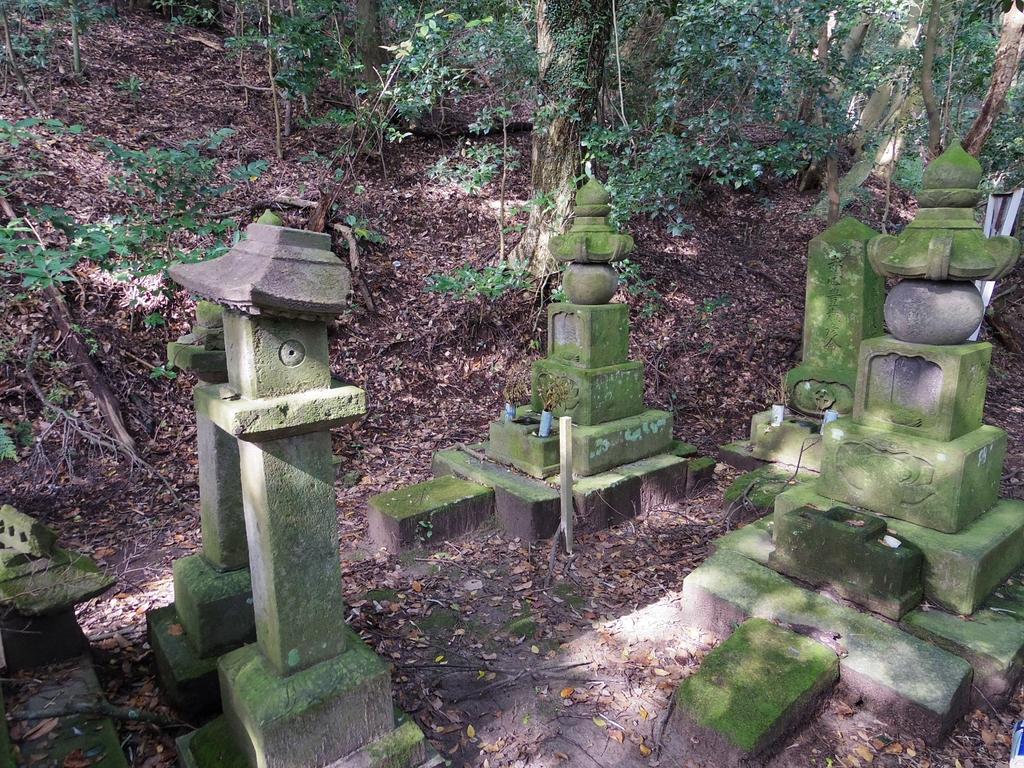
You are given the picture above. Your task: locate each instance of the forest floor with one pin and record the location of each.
(501, 663)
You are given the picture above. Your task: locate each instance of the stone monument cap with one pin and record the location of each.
(273, 270)
(591, 239)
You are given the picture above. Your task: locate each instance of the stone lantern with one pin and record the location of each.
(308, 692)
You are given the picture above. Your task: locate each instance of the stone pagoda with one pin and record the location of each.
(212, 609)
(308, 692)
(905, 521)
(624, 455)
(843, 306)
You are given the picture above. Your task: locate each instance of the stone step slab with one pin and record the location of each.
(428, 512)
(752, 690)
(992, 640)
(525, 508)
(916, 687)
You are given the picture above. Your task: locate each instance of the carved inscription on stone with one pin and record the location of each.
(566, 328)
(903, 390)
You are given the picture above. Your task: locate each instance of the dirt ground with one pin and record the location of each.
(501, 662)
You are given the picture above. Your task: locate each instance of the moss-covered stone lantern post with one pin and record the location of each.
(308, 692)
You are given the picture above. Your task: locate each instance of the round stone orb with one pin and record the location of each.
(590, 283)
(933, 311)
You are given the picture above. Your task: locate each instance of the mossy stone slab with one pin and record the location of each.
(215, 607)
(750, 691)
(756, 491)
(427, 513)
(588, 336)
(49, 586)
(518, 443)
(903, 680)
(843, 548)
(960, 569)
(594, 395)
(796, 442)
(991, 640)
(602, 447)
(281, 722)
(213, 746)
(936, 484)
(210, 365)
(525, 508)
(271, 418)
(187, 682)
(23, 533)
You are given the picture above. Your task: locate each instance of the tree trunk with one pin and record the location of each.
(572, 40)
(877, 107)
(931, 36)
(1004, 69)
(368, 37)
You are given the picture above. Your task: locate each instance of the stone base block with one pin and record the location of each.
(796, 442)
(753, 689)
(212, 746)
(914, 686)
(960, 569)
(699, 473)
(595, 395)
(214, 607)
(312, 718)
(35, 641)
(607, 446)
(525, 508)
(187, 682)
(991, 641)
(843, 549)
(940, 485)
(429, 512)
(739, 455)
(518, 444)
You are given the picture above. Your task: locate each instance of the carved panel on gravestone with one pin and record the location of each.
(566, 329)
(903, 390)
(812, 396)
(567, 388)
(869, 464)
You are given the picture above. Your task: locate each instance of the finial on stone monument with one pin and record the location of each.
(273, 270)
(590, 245)
(270, 218)
(939, 255)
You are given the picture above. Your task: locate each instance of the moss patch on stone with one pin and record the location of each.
(747, 686)
(759, 487)
(431, 496)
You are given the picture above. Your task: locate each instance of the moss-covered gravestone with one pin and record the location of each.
(40, 585)
(308, 692)
(906, 508)
(212, 610)
(843, 306)
(624, 456)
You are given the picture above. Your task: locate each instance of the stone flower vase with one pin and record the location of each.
(545, 424)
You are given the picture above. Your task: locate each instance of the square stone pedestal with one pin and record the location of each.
(844, 549)
(595, 448)
(337, 713)
(937, 484)
(960, 569)
(212, 613)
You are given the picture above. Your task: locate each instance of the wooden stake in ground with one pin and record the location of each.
(565, 452)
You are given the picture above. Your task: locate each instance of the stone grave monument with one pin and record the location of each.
(906, 508)
(623, 452)
(40, 585)
(212, 609)
(843, 306)
(308, 692)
